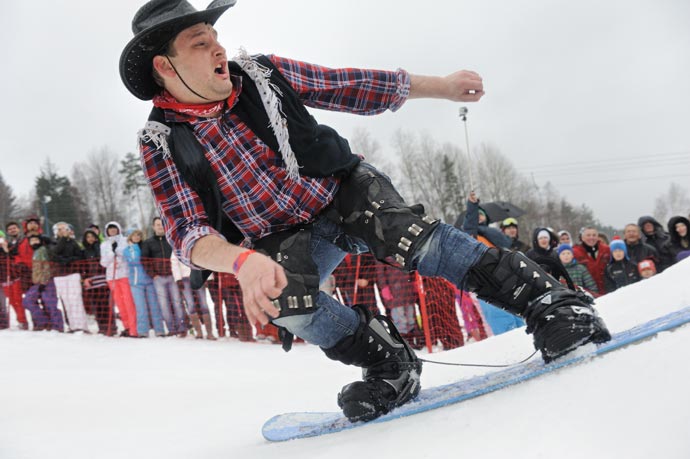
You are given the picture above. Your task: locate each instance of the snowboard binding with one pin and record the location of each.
(390, 369)
(559, 318)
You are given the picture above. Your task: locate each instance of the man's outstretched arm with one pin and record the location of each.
(461, 86)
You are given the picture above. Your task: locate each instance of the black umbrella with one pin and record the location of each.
(498, 211)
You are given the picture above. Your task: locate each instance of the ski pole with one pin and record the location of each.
(463, 117)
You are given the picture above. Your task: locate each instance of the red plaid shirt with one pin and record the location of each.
(256, 192)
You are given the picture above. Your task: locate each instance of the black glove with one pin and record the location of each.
(114, 245)
(41, 288)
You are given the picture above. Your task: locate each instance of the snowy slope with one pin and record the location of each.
(82, 396)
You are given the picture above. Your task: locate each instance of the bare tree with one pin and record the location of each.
(134, 184)
(432, 174)
(498, 179)
(98, 178)
(674, 202)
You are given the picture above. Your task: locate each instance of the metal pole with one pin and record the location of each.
(463, 117)
(45, 216)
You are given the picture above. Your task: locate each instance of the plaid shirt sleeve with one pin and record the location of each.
(358, 91)
(179, 207)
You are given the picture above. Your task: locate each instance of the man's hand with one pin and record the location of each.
(465, 86)
(461, 86)
(261, 279)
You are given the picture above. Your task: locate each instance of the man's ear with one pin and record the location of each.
(163, 67)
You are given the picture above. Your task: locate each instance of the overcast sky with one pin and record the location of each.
(574, 90)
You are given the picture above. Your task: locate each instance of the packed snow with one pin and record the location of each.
(88, 396)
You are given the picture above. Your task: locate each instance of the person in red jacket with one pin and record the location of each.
(593, 255)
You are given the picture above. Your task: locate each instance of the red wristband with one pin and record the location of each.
(239, 261)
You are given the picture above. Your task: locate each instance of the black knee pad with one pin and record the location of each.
(291, 250)
(368, 207)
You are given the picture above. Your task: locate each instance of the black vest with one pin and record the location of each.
(319, 150)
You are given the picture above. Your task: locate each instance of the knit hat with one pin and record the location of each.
(543, 233)
(564, 247)
(618, 244)
(646, 264)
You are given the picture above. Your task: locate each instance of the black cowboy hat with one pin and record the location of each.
(154, 25)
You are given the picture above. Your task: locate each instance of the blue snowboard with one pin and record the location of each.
(290, 426)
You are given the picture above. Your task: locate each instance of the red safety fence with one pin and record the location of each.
(142, 298)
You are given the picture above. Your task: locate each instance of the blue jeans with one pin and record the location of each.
(170, 301)
(146, 302)
(448, 253)
(189, 296)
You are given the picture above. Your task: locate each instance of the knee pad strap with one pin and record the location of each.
(369, 207)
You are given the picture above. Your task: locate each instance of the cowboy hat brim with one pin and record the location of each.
(136, 65)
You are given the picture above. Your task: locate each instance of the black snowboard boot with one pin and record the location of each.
(559, 318)
(390, 373)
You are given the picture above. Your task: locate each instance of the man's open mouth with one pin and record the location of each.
(222, 68)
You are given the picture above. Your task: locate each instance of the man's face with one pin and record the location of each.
(590, 237)
(158, 228)
(13, 230)
(648, 228)
(201, 62)
(31, 226)
(631, 234)
(682, 229)
(510, 231)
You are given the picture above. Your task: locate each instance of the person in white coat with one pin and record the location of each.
(116, 274)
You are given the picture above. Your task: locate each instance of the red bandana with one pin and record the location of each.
(165, 100)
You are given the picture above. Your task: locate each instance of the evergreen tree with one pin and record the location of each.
(57, 199)
(452, 198)
(8, 202)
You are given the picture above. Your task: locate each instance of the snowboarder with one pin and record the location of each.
(235, 161)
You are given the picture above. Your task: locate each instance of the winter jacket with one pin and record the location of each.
(471, 226)
(659, 240)
(642, 251)
(137, 273)
(158, 251)
(538, 254)
(114, 261)
(40, 266)
(678, 244)
(581, 277)
(65, 253)
(595, 265)
(91, 265)
(518, 245)
(619, 274)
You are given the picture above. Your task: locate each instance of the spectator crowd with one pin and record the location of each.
(131, 286)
